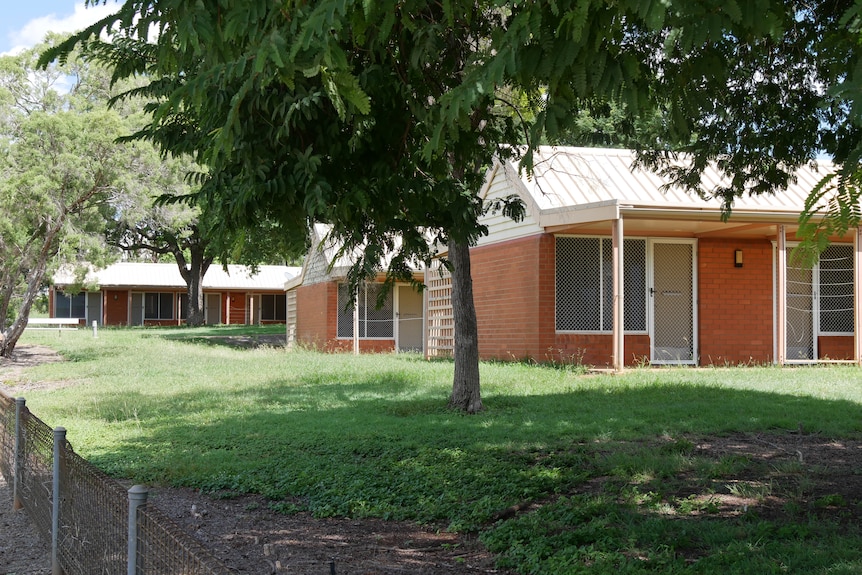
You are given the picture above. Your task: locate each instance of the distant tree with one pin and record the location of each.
(611, 125)
(144, 225)
(60, 167)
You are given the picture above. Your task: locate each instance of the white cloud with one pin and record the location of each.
(35, 30)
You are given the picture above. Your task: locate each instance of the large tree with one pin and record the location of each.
(146, 225)
(380, 117)
(60, 167)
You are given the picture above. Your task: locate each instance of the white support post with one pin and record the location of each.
(356, 320)
(857, 296)
(781, 292)
(95, 329)
(137, 498)
(619, 307)
(59, 448)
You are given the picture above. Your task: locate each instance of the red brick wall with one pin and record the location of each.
(735, 311)
(597, 349)
(315, 314)
(365, 345)
(835, 347)
(513, 287)
(116, 310)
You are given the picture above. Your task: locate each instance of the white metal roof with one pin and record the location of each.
(566, 177)
(167, 275)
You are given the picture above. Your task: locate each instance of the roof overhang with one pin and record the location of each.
(684, 221)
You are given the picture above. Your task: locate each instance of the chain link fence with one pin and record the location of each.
(84, 513)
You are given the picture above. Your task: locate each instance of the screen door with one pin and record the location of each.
(672, 338)
(410, 320)
(800, 314)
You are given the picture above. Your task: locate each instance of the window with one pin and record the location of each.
(70, 305)
(585, 284)
(184, 306)
(159, 306)
(273, 307)
(836, 289)
(374, 322)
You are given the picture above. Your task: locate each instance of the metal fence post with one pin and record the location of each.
(137, 498)
(18, 456)
(59, 448)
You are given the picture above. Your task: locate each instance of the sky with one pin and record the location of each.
(24, 23)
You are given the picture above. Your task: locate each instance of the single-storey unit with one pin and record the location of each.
(322, 314)
(610, 270)
(137, 294)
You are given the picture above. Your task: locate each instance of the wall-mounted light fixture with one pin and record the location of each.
(737, 258)
(115, 297)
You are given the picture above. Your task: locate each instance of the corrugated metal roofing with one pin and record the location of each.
(567, 177)
(144, 275)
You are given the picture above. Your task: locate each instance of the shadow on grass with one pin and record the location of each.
(604, 477)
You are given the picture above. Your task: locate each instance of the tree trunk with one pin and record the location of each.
(10, 336)
(193, 275)
(465, 387)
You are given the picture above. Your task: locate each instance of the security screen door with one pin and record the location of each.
(409, 314)
(672, 337)
(212, 308)
(800, 313)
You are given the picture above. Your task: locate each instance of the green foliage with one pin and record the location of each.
(61, 168)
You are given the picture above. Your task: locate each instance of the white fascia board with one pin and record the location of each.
(707, 214)
(583, 214)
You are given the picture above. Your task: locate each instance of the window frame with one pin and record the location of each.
(819, 299)
(606, 291)
(72, 304)
(344, 317)
(162, 296)
(278, 301)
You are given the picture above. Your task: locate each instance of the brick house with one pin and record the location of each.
(609, 270)
(320, 314)
(136, 294)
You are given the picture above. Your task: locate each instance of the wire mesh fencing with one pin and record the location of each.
(84, 513)
(7, 434)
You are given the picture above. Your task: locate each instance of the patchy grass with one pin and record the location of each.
(725, 470)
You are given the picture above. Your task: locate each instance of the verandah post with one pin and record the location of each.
(59, 455)
(18, 456)
(137, 498)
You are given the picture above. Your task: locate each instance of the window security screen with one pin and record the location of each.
(584, 284)
(373, 322)
(273, 307)
(836, 289)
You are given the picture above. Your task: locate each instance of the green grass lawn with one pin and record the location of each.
(565, 472)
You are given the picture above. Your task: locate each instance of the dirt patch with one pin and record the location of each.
(247, 536)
